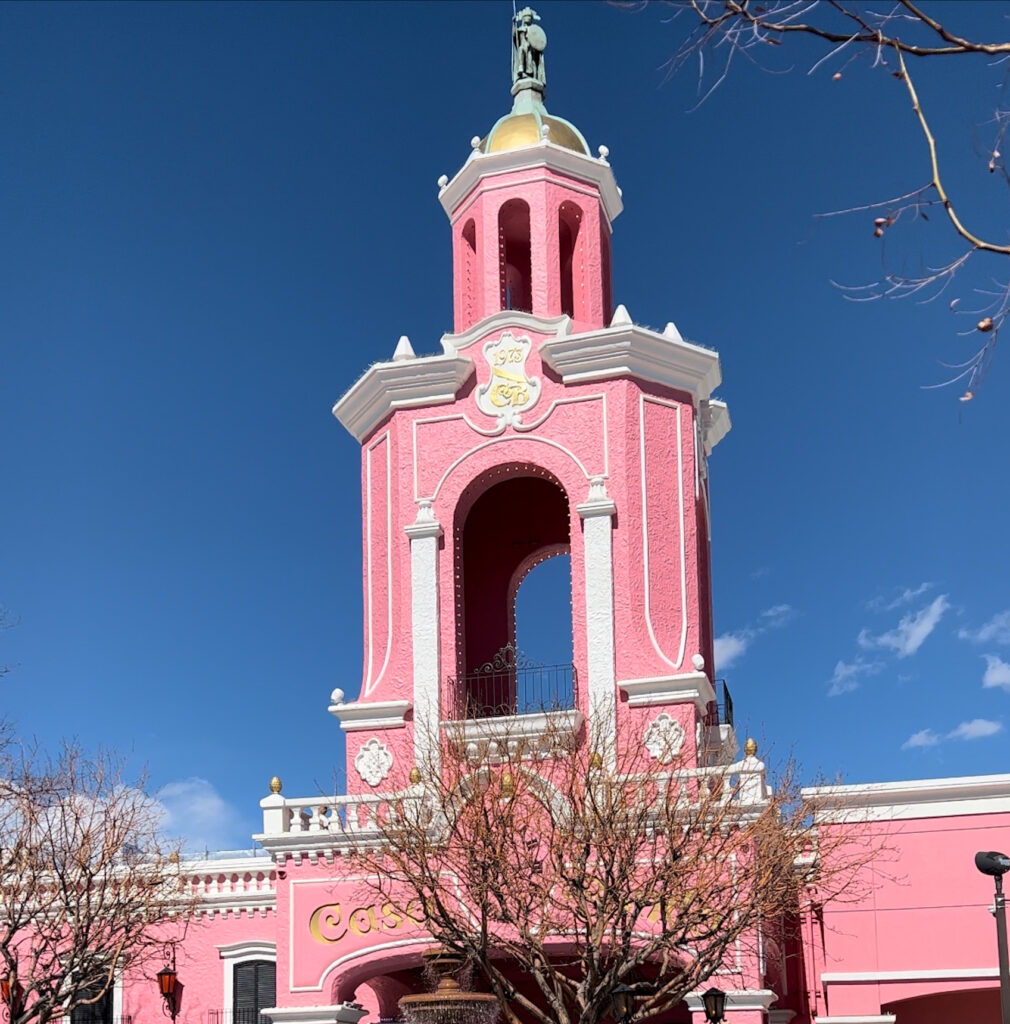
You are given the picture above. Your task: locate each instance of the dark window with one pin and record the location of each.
(98, 1012)
(255, 990)
(514, 256)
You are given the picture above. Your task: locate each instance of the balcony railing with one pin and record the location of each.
(720, 710)
(236, 1017)
(510, 684)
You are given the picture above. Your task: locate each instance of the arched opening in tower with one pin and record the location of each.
(569, 221)
(515, 267)
(468, 237)
(516, 524)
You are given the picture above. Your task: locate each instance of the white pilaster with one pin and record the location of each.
(597, 512)
(424, 535)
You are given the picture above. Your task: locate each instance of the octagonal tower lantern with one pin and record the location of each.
(547, 425)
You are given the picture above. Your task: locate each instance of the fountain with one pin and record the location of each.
(449, 1003)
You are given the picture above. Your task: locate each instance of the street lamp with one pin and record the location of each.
(997, 865)
(622, 1001)
(11, 993)
(168, 982)
(715, 1005)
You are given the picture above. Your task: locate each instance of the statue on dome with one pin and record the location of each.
(529, 41)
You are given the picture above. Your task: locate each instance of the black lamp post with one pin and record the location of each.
(11, 993)
(997, 865)
(168, 982)
(715, 1005)
(622, 1001)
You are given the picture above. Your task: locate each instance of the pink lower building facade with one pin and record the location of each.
(548, 425)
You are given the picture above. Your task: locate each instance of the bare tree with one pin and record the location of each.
(890, 39)
(86, 890)
(580, 868)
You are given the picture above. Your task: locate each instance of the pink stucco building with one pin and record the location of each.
(550, 425)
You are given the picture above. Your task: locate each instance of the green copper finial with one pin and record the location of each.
(529, 41)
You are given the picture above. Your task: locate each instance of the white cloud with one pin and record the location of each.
(904, 596)
(847, 674)
(910, 633)
(778, 615)
(729, 647)
(194, 813)
(976, 729)
(922, 738)
(997, 672)
(996, 630)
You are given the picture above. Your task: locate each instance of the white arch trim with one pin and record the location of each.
(370, 682)
(676, 406)
(237, 953)
(498, 440)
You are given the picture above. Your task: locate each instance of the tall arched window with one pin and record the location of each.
(254, 990)
(571, 270)
(518, 520)
(468, 246)
(514, 260)
(608, 287)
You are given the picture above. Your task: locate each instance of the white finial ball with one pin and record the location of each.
(698, 661)
(604, 152)
(475, 142)
(545, 130)
(337, 697)
(443, 180)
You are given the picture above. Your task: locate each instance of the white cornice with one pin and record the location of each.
(385, 387)
(717, 424)
(629, 350)
(376, 714)
(928, 974)
(738, 999)
(342, 1013)
(557, 325)
(916, 798)
(691, 687)
(545, 154)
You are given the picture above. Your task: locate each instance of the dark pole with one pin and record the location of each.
(990, 862)
(1004, 962)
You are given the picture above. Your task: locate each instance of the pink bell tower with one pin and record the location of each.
(548, 424)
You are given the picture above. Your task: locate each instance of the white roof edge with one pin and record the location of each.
(385, 387)
(543, 154)
(632, 350)
(968, 794)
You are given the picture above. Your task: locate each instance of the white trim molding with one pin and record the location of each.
(557, 325)
(938, 974)
(241, 952)
(480, 739)
(736, 999)
(597, 513)
(629, 350)
(917, 798)
(335, 1013)
(424, 536)
(693, 687)
(859, 1018)
(386, 387)
(544, 154)
(376, 714)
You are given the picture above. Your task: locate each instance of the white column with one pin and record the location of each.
(424, 535)
(597, 512)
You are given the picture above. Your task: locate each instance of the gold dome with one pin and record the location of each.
(515, 131)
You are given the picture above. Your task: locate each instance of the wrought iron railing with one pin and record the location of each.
(236, 1017)
(511, 684)
(720, 710)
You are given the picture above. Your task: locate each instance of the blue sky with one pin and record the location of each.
(214, 217)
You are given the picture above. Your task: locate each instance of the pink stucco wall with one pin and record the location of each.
(924, 927)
